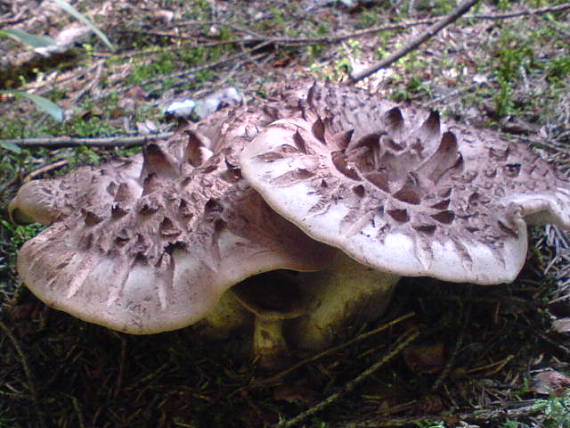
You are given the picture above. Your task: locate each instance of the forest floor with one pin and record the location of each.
(483, 356)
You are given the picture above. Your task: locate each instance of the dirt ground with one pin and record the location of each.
(444, 355)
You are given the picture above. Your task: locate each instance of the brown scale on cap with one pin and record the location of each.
(402, 191)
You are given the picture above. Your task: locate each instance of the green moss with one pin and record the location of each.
(514, 58)
(414, 88)
(162, 64)
(13, 237)
(558, 69)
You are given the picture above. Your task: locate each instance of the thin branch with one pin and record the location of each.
(122, 358)
(548, 340)
(287, 41)
(540, 11)
(418, 40)
(484, 416)
(277, 377)
(187, 73)
(458, 344)
(137, 140)
(45, 169)
(78, 412)
(409, 24)
(496, 367)
(399, 347)
(334, 349)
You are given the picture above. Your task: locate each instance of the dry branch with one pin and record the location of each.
(416, 41)
(187, 73)
(282, 374)
(58, 142)
(292, 41)
(398, 347)
(477, 416)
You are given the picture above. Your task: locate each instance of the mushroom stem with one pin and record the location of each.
(233, 311)
(346, 291)
(269, 346)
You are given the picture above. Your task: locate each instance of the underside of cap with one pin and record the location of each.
(400, 190)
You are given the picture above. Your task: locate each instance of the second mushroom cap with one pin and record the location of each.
(402, 191)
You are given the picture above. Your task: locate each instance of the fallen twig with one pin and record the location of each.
(495, 367)
(45, 169)
(458, 344)
(476, 416)
(515, 14)
(137, 140)
(122, 359)
(416, 41)
(187, 73)
(288, 41)
(275, 378)
(334, 349)
(78, 412)
(399, 347)
(548, 340)
(263, 41)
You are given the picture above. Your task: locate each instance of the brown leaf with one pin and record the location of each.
(294, 394)
(426, 359)
(430, 403)
(25, 312)
(550, 381)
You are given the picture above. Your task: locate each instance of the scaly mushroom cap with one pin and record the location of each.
(45, 201)
(401, 191)
(150, 245)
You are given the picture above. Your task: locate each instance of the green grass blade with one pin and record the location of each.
(42, 103)
(11, 147)
(76, 14)
(29, 39)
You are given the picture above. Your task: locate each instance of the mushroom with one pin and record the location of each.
(153, 243)
(402, 192)
(335, 181)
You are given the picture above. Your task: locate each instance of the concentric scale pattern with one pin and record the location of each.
(384, 181)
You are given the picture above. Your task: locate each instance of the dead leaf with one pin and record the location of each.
(426, 359)
(22, 312)
(165, 16)
(294, 394)
(430, 403)
(550, 382)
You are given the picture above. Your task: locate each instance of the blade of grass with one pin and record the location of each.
(14, 148)
(77, 15)
(32, 40)
(42, 103)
